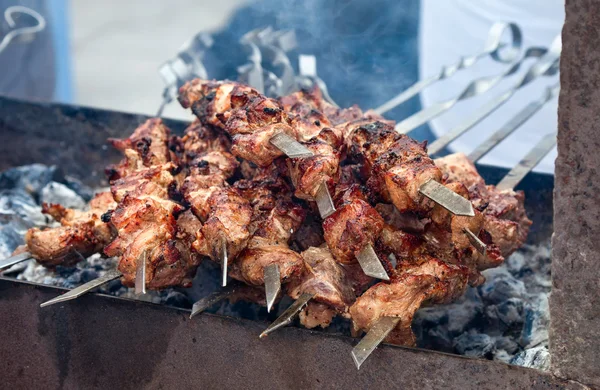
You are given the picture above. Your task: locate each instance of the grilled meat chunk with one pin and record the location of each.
(81, 234)
(327, 280)
(147, 146)
(353, 226)
(397, 166)
(274, 219)
(253, 119)
(227, 224)
(429, 281)
(504, 213)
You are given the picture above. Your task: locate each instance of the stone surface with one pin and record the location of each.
(575, 298)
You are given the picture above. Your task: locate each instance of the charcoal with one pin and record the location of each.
(506, 344)
(87, 193)
(537, 357)
(9, 240)
(59, 193)
(537, 321)
(500, 286)
(16, 204)
(30, 178)
(508, 313)
(474, 344)
(87, 275)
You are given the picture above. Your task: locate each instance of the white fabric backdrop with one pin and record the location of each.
(453, 28)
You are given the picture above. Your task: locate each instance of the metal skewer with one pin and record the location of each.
(288, 315)
(324, 201)
(140, 274)
(290, 146)
(212, 299)
(474, 88)
(530, 161)
(16, 259)
(546, 66)
(492, 47)
(372, 339)
(448, 199)
(513, 124)
(224, 261)
(475, 241)
(272, 278)
(84, 288)
(370, 263)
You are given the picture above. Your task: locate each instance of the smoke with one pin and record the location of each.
(367, 52)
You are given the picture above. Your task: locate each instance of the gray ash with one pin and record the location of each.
(505, 319)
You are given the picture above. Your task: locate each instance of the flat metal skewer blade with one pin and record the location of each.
(224, 261)
(290, 146)
(475, 241)
(513, 124)
(140, 274)
(212, 299)
(448, 199)
(288, 315)
(404, 96)
(84, 288)
(533, 158)
(324, 201)
(272, 284)
(16, 259)
(370, 263)
(479, 115)
(373, 338)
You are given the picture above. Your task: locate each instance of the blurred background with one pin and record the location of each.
(107, 54)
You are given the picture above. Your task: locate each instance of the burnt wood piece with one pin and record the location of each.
(575, 298)
(104, 342)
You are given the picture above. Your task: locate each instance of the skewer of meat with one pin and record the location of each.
(254, 122)
(321, 292)
(389, 317)
(153, 232)
(262, 131)
(224, 212)
(81, 234)
(267, 259)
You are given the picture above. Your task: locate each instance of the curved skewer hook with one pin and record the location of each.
(15, 32)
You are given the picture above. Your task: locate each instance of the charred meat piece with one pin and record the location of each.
(252, 120)
(199, 139)
(148, 225)
(227, 224)
(429, 281)
(308, 173)
(504, 213)
(147, 146)
(396, 165)
(81, 234)
(354, 225)
(329, 283)
(274, 220)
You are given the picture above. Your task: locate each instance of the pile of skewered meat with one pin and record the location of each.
(226, 192)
